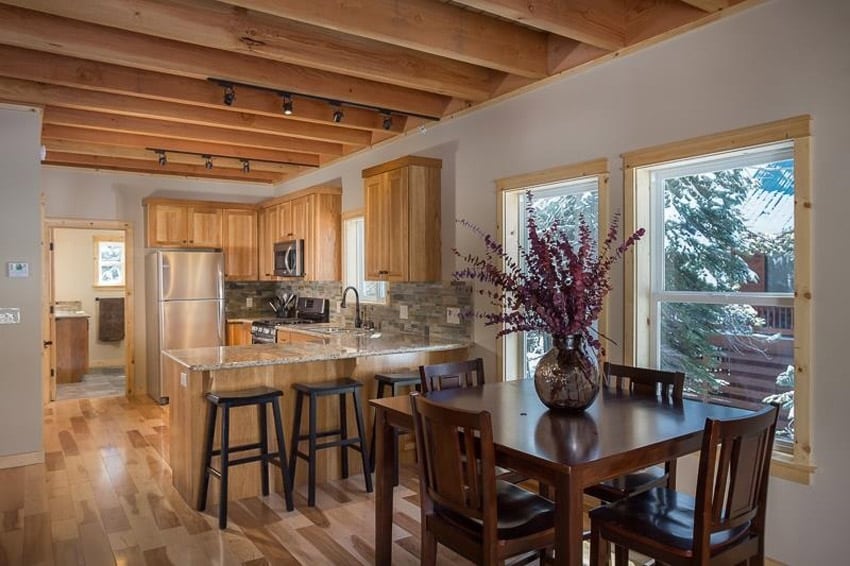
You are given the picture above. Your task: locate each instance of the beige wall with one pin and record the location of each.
(20, 237)
(73, 280)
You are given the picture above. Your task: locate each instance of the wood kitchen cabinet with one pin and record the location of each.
(240, 244)
(72, 348)
(182, 224)
(402, 216)
(238, 333)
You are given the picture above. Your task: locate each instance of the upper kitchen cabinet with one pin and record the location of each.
(240, 244)
(403, 220)
(312, 215)
(182, 224)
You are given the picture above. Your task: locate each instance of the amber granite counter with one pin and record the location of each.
(189, 374)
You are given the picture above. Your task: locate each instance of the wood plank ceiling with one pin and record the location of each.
(140, 85)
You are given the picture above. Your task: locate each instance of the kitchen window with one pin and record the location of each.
(714, 280)
(354, 262)
(108, 262)
(565, 193)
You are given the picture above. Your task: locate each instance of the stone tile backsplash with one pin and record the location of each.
(426, 304)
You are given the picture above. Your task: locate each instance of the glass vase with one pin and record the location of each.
(567, 376)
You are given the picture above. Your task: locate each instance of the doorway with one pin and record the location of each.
(88, 288)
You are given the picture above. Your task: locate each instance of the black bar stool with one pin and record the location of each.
(340, 387)
(259, 397)
(394, 381)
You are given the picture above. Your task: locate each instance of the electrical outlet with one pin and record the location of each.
(339, 307)
(452, 315)
(402, 312)
(249, 302)
(184, 379)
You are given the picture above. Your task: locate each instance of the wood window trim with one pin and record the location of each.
(796, 466)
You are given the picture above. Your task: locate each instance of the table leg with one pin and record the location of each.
(384, 458)
(568, 522)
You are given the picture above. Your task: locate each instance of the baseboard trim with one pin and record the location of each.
(771, 562)
(23, 459)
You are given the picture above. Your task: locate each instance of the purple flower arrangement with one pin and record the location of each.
(558, 287)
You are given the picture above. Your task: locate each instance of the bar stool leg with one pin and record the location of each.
(281, 450)
(212, 411)
(296, 435)
(311, 455)
(225, 463)
(364, 453)
(264, 448)
(343, 434)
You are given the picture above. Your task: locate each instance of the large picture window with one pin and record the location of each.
(565, 194)
(716, 275)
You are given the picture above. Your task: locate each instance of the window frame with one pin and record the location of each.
(347, 217)
(97, 241)
(506, 352)
(796, 465)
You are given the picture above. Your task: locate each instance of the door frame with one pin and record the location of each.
(49, 331)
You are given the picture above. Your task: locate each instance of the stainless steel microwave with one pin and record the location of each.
(289, 258)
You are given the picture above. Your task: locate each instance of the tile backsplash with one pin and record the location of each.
(426, 304)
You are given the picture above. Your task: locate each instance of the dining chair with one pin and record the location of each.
(723, 524)
(669, 386)
(436, 377)
(463, 506)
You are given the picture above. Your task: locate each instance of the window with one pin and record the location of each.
(566, 194)
(714, 280)
(354, 264)
(108, 262)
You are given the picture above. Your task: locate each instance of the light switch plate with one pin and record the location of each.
(452, 315)
(10, 315)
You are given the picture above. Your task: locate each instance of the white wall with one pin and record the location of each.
(74, 264)
(20, 238)
(779, 59)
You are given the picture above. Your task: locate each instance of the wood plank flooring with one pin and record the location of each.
(103, 496)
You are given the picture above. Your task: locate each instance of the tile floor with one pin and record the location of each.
(98, 382)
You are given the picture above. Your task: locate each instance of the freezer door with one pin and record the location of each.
(191, 275)
(192, 324)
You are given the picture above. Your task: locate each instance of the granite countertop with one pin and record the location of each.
(71, 314)
(336, 347)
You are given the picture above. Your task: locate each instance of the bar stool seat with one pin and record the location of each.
(393, 381)
(259, 397)
(312, 391)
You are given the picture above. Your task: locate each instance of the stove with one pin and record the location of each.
(308, 310)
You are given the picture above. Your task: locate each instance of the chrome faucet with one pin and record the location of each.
(358, 322)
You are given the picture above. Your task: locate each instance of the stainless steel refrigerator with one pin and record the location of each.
(184, 292)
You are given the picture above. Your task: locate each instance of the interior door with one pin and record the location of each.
(48, 321)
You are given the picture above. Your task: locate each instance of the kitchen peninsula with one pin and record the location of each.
(189, 374)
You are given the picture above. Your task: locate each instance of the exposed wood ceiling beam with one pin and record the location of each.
(709, 5)
(600, 23)
(162, 128)
(233, 29)
(66, 97)
(77, 135)
(36, 30)
(38, 66)
(140, 166)
(424, 25)
(649, 20)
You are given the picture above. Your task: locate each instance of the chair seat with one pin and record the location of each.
(662, 515)
(629, 484)
(520, 513)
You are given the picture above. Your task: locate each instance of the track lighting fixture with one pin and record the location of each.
(287, 104)
(388, 121)
(246, 166)
(229, 95)
(208, 164)
(208, 159)
(338, 114)
(161, 158)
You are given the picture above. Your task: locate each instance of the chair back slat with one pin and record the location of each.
(448, 477)
(449, 375)
(645, 381)
(733, 474)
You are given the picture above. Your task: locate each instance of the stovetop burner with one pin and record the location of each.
(283, 321)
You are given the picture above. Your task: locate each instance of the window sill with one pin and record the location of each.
(784, 467)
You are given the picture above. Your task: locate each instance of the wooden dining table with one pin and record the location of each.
(619, 433)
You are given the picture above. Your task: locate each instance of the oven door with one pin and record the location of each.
(289, 258)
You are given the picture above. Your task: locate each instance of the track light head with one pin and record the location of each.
(161, 158)
(229, 95)
(287, 104)
(338, 114)
(388, 121)
(246, 166)
(208, 164)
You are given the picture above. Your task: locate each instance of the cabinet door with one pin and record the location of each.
(284, 222)
(204, 227)
(386, 220)
(167, 225)
(238, 333)
(240, 244)
(267, 230)
(302, 213)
